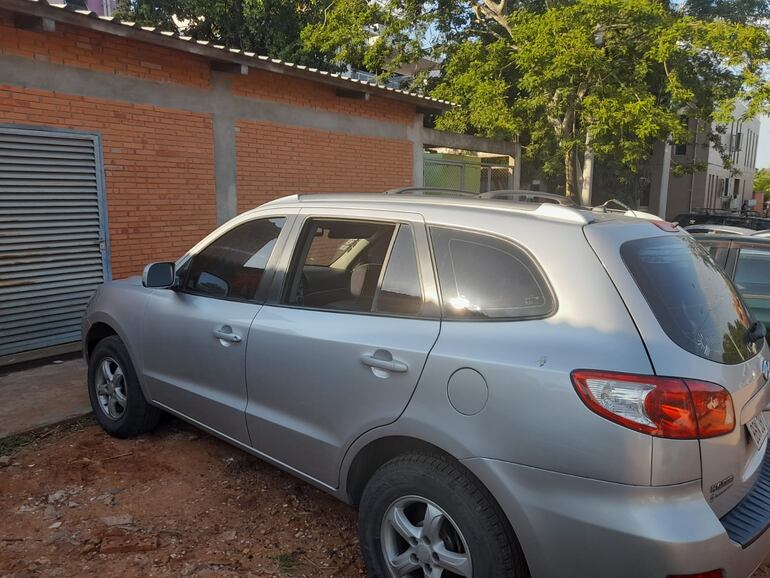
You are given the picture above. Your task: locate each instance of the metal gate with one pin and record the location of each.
(53, 241)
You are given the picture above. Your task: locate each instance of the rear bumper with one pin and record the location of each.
(572, 526)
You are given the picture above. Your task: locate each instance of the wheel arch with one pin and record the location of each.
(96, 333)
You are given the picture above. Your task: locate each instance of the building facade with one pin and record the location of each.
(711, 186)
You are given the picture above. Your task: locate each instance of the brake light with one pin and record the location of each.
(712, 574)
(665, 226)
(665, 407)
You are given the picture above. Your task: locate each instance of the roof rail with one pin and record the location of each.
(431, 192)
(527, 196)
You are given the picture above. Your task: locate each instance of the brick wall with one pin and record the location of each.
(275, 160)
(159, 163)
(83, 48)
(159, 170)
(300, 92)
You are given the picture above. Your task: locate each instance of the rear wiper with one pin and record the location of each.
(756, 332)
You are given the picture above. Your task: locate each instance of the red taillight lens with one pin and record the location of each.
(659, 406)
(712, 574)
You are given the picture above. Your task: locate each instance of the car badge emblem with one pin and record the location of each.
(766, 369)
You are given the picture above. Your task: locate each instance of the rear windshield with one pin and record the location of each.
(693, 300)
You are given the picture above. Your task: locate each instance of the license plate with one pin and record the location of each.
(758, 428)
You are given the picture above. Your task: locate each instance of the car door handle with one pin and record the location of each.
(388, 365)
(226, 334)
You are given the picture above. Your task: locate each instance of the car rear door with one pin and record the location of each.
(694, 325)
(323, 367)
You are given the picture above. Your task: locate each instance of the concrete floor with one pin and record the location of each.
(34, 396)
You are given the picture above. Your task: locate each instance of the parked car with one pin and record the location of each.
(748, 220)
(503, 390)
(746, 260)
(718, 230)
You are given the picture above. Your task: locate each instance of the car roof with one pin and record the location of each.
(735, 238)
(728, 229)
(425, 204)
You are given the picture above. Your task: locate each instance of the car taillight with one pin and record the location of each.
(664, 407)
(712, 574)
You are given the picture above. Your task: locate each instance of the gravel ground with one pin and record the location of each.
(174, 503)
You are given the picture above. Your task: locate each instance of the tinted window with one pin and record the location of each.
(693, 300)
(233, 265)
(338, 264)
(752, 272)
(401, 291)
(485, 277)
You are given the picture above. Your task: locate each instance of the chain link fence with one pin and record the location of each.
(468, 173)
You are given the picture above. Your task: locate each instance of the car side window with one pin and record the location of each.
(718, 250)
(233, 265)
(401, 290)
(338, 264)
(484, 277)
(752, 272)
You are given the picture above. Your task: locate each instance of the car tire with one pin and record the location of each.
(118, 404)
(468, 523)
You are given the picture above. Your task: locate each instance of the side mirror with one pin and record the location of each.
(159, 275)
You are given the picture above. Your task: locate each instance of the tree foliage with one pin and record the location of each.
(762, 182)
(270, 27)
(569, 76)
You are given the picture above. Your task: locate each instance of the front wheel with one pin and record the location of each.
(116, 396)
(425, 516)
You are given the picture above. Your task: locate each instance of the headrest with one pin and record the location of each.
(363, 279)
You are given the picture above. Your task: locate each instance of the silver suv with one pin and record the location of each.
(504, 390)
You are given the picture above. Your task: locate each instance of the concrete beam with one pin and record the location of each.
(466, 142)
(38, 74)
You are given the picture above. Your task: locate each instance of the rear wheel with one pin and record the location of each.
(424, 516)
(113, 388)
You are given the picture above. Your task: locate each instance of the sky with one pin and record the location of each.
(763, 149)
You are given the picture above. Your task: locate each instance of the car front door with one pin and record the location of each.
(195, 337)
(752, 277)
(341, 344)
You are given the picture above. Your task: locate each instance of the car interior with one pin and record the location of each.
(341, 263)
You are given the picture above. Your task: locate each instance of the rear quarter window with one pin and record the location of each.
(484, 277)
(691, 297)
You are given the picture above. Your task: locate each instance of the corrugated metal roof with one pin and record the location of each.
(110, 25)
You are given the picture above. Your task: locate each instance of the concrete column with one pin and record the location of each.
(414, 134)
(665, 172)
(225, 168)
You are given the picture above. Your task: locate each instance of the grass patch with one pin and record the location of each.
(286, 562)
(12, 444)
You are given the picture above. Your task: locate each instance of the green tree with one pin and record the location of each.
(576, 79)
(270, 27)
(762, 183)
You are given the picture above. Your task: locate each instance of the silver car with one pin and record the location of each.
(503, 389)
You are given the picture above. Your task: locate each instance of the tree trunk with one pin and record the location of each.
(569, 174)
(588, 173)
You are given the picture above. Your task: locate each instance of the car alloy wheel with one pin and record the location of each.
(110, 386)
(419, 539)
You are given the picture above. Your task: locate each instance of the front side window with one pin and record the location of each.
(691, 297)
(752, 272)
(232, 267)
(483, 277)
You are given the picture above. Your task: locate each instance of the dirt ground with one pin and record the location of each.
(174, 503)
(75, 502)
